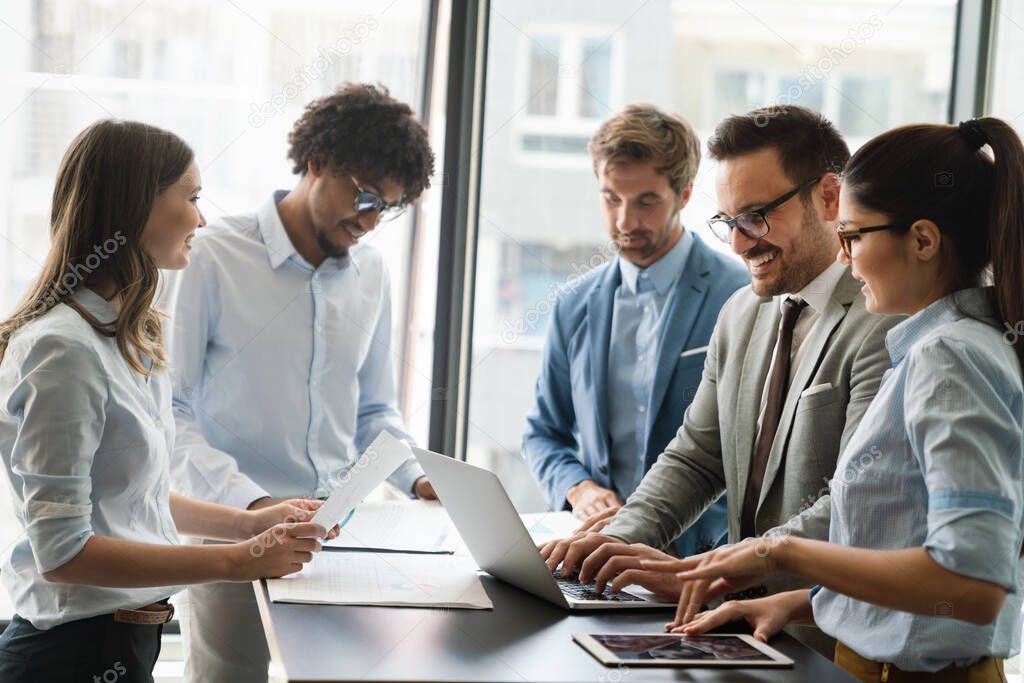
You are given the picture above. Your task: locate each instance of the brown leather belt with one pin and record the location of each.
(150, 615)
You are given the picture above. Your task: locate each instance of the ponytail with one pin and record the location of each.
(969, 181)
(1006, 224)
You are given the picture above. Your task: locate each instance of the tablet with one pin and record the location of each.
(676, 649)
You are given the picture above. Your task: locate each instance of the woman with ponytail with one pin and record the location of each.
(86, 427)
(920, 579)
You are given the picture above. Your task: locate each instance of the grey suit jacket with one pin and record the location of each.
(712, 450)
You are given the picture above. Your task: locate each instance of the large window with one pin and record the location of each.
(230, 78)
(866, 65)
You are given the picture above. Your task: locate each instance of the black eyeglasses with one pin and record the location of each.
(753, 223)
(367, 201)
(848, 235)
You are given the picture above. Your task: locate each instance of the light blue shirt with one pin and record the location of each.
(85, 443)
(936, 462)
(633, 358)
(283, 373)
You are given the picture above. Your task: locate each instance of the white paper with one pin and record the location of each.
(384, 579)
(542, 526)
(550, 526)
(380, 459)
(413, 526)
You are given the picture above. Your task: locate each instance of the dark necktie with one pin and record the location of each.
(777, 386)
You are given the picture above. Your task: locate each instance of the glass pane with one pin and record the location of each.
(544, 75)
(230, 78)
(737, 91)
(803, 93)
(540, 229)
(864, 110)
(596, 78)
(1007, 95)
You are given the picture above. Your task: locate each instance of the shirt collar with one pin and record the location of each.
(976, 302)
(279, 244)
(97, 306)
(663, 272)
(818, 291)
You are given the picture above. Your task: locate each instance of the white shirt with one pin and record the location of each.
(817, 294)
(283, 373)
(86, 443)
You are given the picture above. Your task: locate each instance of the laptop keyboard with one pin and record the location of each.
(579, 591)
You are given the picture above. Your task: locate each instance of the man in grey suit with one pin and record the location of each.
(792, 364)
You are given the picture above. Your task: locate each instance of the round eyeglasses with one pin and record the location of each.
(367, 202)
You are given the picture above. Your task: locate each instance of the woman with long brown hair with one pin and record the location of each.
(921, 577)
(86, 427)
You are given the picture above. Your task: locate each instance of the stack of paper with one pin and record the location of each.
(361, 578)
(398, 526)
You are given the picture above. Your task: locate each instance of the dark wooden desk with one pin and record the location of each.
(522, 639)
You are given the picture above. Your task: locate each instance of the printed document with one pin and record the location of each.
(380, 459)
(384, 579)
(408, 526)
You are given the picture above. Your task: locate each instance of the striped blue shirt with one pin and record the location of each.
(936, 462)
(640, 303)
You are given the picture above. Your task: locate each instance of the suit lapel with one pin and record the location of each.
(683, 305)
(599, 328)
(816, 342)
(753, 375)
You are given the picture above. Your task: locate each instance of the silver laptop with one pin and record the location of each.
(499, 542)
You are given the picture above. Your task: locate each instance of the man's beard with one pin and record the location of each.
(796, 275)
(645, 251)
(327, 246)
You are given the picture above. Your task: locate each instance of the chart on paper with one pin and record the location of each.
(399, 526)
(385, 579)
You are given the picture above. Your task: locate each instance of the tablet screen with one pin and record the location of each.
(678, 646)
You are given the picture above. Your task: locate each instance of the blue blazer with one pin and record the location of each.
(566, 439)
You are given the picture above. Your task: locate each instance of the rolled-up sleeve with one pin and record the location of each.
(963, 412)
(57, 399)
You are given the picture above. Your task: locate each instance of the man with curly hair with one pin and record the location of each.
(280, 343)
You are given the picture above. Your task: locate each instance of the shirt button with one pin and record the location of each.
(642, 409)
(159, 423)
(643, 275)
(640, 358)
(647, 309)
